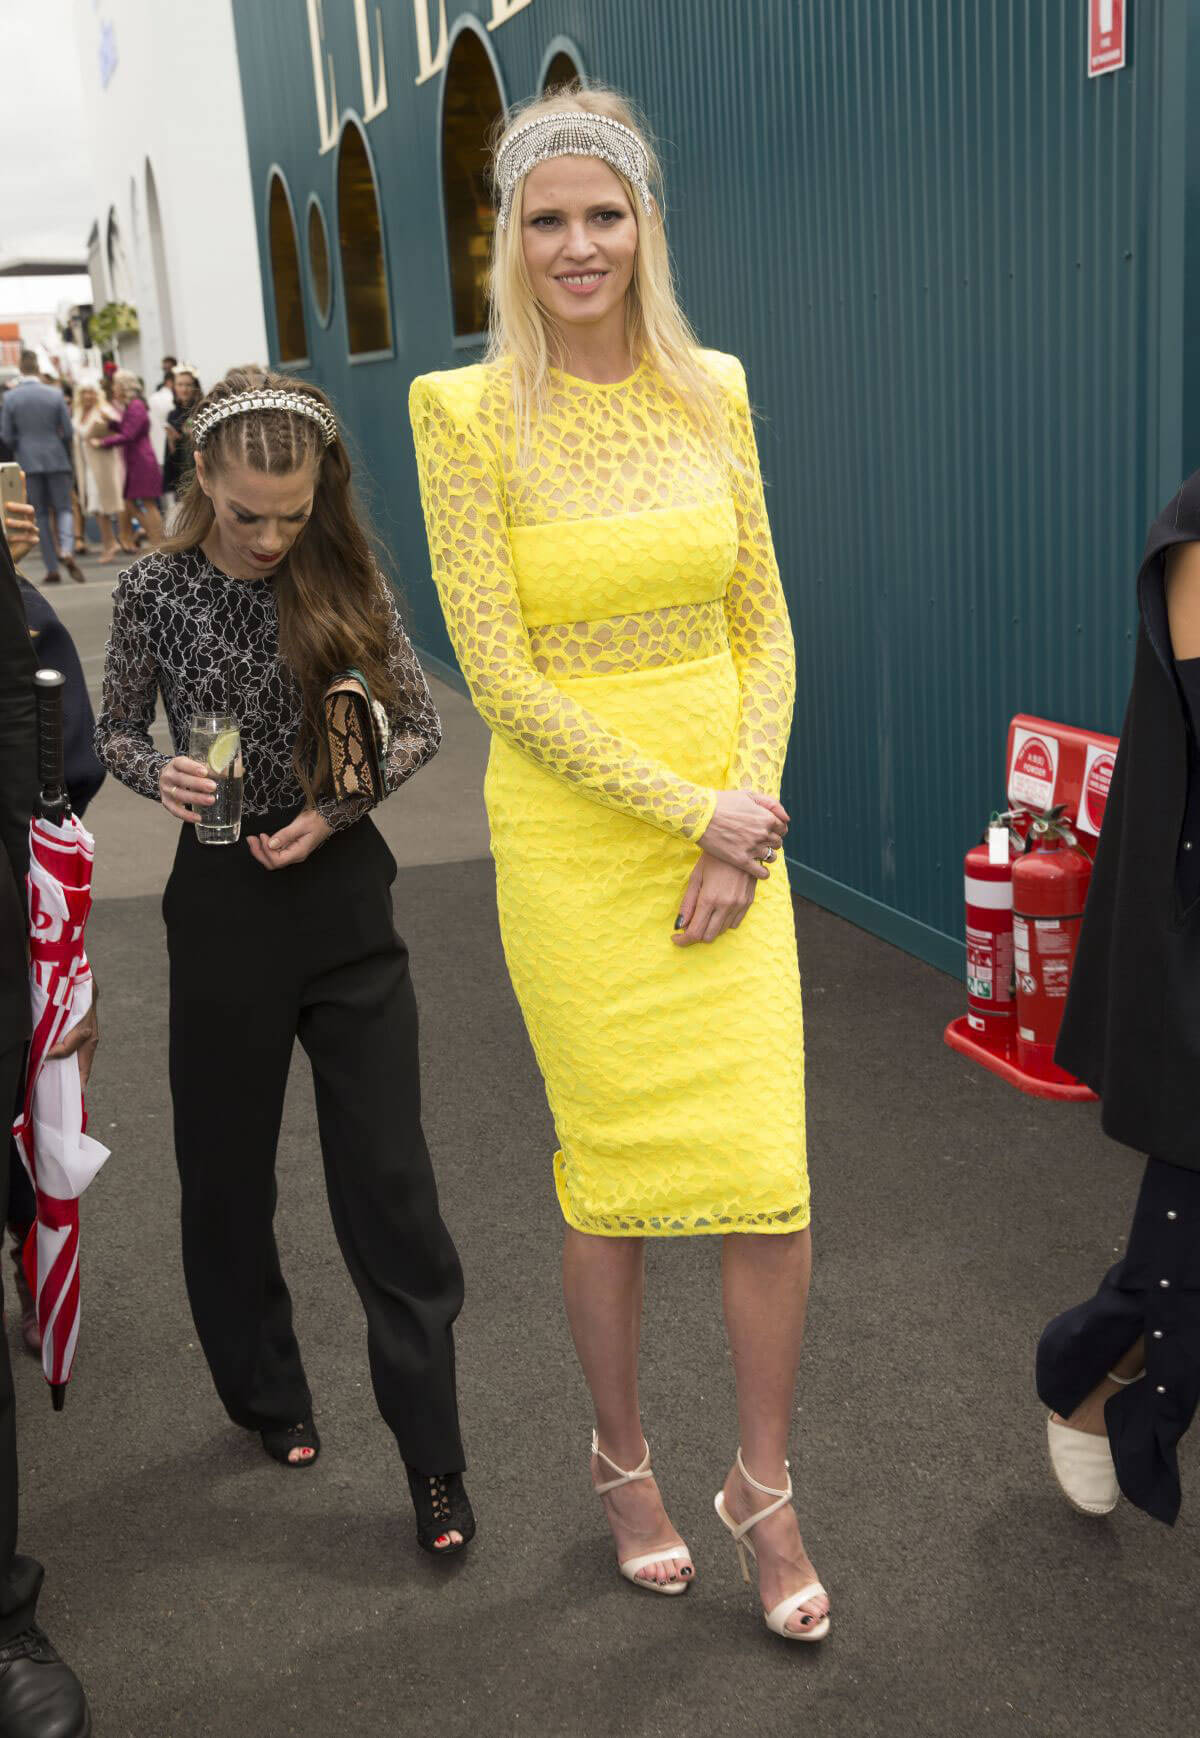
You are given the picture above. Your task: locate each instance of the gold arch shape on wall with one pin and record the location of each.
(291, 332)
(320, 267)
(471, 105)
(360, 244)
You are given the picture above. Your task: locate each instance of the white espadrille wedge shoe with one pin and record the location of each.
(776, 1618)
(666, 1553)
(1083, 1464)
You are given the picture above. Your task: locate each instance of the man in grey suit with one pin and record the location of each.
(36, 424)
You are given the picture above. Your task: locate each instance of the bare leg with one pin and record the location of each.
(151, 519)
(125, 530)
(1088, 1416)
(108, 543)
(766, 1297)
(603, 1284)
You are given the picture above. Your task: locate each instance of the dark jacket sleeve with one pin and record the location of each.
(18, 789)
(55, 650)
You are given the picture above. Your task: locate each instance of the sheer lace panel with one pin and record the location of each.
(676, 634)
(615, 475)
(603, 451)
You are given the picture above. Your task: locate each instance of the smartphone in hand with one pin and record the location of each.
(12, 490)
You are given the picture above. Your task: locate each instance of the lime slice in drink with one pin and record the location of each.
(223, 751)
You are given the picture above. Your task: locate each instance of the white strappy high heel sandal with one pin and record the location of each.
(776, 1618)
(1083, 1464)
(668, 1553)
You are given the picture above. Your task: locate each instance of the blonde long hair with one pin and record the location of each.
(523, 334)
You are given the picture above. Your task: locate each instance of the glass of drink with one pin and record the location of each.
(216, 742)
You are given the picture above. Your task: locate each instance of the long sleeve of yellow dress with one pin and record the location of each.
(760, 629)
(463, 500)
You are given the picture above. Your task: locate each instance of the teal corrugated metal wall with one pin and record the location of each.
(957, 272)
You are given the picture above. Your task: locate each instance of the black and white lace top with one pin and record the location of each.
(207, 642)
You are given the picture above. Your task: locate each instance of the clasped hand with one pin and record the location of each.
(745, 827)
(718, 897)
(187, 790)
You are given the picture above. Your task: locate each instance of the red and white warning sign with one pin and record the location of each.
(1093, 797)
(1106, 36)
(1033, 770)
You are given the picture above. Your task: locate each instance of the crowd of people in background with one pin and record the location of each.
(99, 454)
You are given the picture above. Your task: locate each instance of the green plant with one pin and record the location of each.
(113, 320)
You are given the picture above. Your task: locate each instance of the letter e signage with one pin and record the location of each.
(1106, 36)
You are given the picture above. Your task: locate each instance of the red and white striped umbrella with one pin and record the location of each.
(51, 1129)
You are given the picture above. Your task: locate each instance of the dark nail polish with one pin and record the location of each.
(685, 1572)
(679, 921)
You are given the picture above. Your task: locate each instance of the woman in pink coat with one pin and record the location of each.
(143, 476)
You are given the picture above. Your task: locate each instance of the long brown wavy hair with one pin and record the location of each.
(332, 599)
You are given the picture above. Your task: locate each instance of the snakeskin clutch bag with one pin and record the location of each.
(352, 736)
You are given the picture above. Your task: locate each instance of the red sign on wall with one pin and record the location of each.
(1106, 36)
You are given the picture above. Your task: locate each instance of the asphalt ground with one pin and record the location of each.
(200, 1589)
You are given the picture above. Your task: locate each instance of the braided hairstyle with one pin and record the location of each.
(334, 606)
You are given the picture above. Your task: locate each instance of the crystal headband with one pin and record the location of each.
(571, 134)
(269, 398)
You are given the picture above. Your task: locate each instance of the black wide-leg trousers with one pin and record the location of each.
(260, 958)
(1154, 1290)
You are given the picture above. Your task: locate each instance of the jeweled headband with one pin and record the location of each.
(268, 398)
(570, 134)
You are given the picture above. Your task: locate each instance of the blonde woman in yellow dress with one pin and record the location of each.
(600, 545)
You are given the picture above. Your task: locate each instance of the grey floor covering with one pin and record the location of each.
(200, 1589)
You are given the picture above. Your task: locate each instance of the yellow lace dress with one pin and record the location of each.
(616, 610)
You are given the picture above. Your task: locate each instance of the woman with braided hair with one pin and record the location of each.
(263, 597)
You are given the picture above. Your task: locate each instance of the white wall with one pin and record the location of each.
(174, 97)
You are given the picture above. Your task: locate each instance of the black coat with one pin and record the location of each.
(18, 791)
(54, 649)
(1132, 1023)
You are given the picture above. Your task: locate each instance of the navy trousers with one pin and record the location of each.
(1154, 1290)
(49, 494)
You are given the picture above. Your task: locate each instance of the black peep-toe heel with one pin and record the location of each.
(280, 1443)
(442, 1506)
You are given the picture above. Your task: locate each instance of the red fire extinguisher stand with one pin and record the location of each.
(1026, 887)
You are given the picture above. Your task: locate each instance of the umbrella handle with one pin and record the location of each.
(53, 801)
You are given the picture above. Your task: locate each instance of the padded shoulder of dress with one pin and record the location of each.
(459, 391)
(726, 370)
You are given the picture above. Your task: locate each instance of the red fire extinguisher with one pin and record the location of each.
(989, 900)
(1050, 886)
